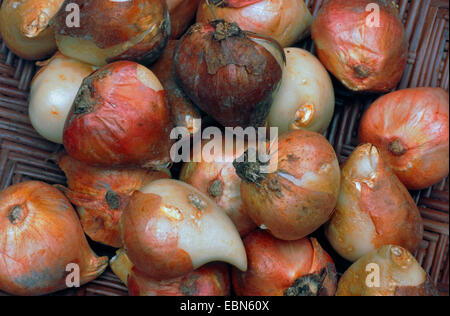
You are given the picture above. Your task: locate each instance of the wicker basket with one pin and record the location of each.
(24, 155)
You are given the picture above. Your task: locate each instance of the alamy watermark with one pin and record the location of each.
(373, 279)
(373, 19)
(73, 16)
(262, 143)
(73, 278)
(259, 143)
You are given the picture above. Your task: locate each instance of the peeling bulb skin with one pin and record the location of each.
(121, 265)
(301, 194)
(285, 268)
(411, 129)
(177, 229)
(140, 33)
(210, 280)
(398, 274)
(306, 97)
(101, 194)
(24, 27)
(120, 117)
(286, 21)
(374, 208)
(227, 74)
(40, 235)
(218, 180)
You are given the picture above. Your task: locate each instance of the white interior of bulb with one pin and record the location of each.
(208, 234)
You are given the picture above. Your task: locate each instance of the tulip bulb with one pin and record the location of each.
(286, 21)
(181, 14)
(210, 280)
(170, 229)
(101, 194)
(364, 56)
(53, 91)
(411, 129)
(109, 31)
(306, 96)
(24, 27)
(218, 179)
(388, 271)
(374, 208)
(230, 74)
(40, 237)
(183, 111)
(120, 117)
(285, 268)
(300, 196)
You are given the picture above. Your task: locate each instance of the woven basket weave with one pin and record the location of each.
(24, 155)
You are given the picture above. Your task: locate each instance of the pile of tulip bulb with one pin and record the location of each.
(112, 89)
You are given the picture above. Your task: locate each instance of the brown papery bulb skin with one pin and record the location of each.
(394, 269)
(120, 117)
(24, 27)
(301, 194)
(286, 21)
(229, 74)
(40, 235)
(362, 55)
(109, 31)
(101, 194)
(183, 111)
(218, 180)
(285, 268)
(169, 229)
(210, 280)
(182, 12)
(121, 265)
(374, 208)
(410, 127)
